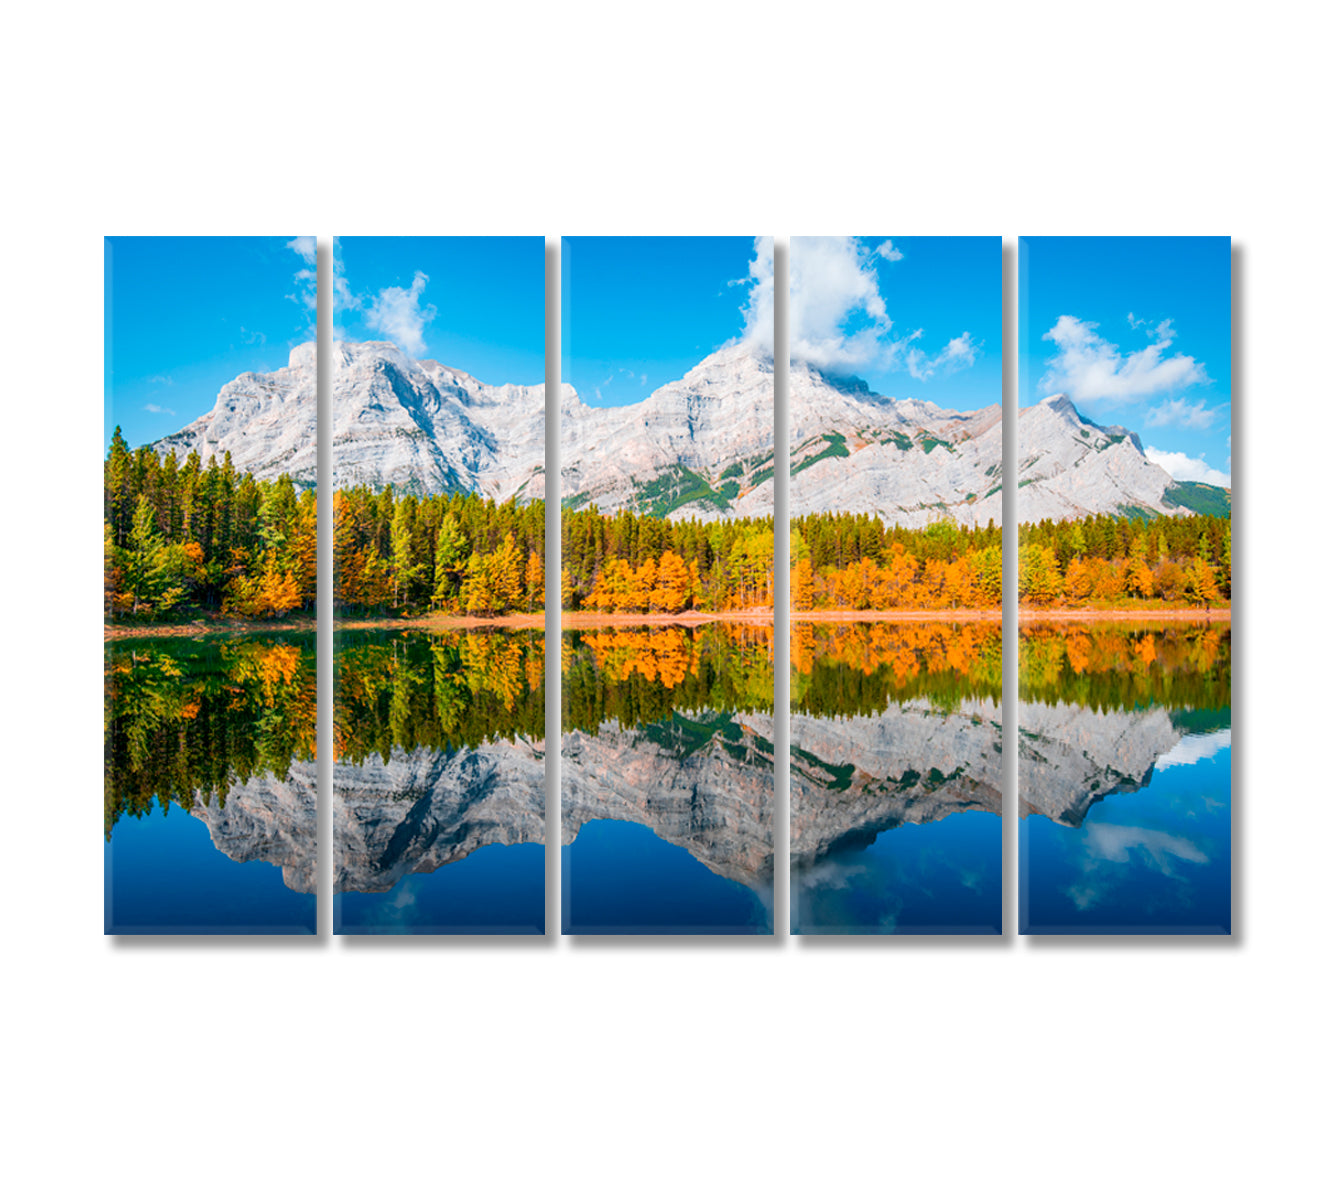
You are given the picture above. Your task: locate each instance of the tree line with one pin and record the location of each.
(641, 677)
(1110, 560)
(188, 718)
(854, 562)
(859, 669)
(1112, 667)
(462, 553)
(180, 536)
(183, 537)
(636, 563)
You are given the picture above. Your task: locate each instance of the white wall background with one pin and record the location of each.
(903, 1068)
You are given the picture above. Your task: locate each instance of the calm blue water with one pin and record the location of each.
(941, 877)
(619, 877)
(496, 889)
(1158, 860)
(164, 875)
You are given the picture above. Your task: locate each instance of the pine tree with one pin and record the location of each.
(449, 547)
(505, 576)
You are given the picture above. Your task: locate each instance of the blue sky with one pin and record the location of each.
(913, 316)
(640, 312)
(1137, 331)
(477, 304)
(185, 315)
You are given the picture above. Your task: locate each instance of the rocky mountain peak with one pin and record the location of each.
(699, 446)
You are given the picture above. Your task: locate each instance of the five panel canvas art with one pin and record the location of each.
(670, 469)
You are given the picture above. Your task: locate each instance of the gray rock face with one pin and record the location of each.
(270, 820)
(1071, 756)
(266, 422)
(425, 809)
(718, 418)
(853, 777)
(701, 446)
(419, 426)
(716, 801)
(906, 461)
(1070, 467)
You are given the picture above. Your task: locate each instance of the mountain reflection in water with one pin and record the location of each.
(439, 782)
(896, 727)
(209, 785)
(667, 779)
(1125, 782)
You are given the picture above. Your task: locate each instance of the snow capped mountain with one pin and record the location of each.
(426, 428)
(701, 446)
(417, 425)
(1070, 467)
(907, 461)
(267, 422)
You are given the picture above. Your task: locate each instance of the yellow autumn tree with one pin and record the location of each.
(672, 591)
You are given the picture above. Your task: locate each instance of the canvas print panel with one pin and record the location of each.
(209, 585)
(1125, 583)
(439, 474)
(667, 445)
(896, 585)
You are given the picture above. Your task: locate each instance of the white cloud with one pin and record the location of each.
(304, 246)
(1193, 748)
(344, 299)
(833, 284)
(832, 873)
(157, 408)
(307, 296)
(399, 314)
(959, 352)
(839, 319)
(1088, 368)
(1182, 467)
(759, 309)
(1115, 843)
(1181, 414)
(161, 380)
(305, 278)
(1119, 844)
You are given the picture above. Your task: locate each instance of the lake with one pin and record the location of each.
(667, 780)
(439, 782)
(1125, 778)
(667, 764)
(210, 785)
(896, 777)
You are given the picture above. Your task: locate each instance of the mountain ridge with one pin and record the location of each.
(701, 446)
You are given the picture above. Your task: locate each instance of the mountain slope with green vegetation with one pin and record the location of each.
(1204, 498)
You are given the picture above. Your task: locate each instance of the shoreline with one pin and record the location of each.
(594, 620)
(219, 628)
(1202, 615)
(991, 616)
